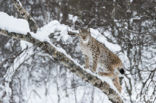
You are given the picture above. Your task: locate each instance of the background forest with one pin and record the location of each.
(38, 78)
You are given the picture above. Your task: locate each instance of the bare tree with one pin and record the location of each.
(61, 57)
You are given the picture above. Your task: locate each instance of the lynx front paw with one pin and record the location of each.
(119, 89)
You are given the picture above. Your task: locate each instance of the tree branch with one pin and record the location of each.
(32, 23)
(74, 68)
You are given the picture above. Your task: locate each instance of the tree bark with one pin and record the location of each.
(32, 23)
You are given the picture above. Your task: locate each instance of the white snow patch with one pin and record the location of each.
(12, 69)
(25, 44)
(17, 62)
(51, 28)
(73, 18)
(13, 24)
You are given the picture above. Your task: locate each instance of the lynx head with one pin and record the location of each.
(84, 34)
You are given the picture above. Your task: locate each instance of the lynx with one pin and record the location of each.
(99, 54)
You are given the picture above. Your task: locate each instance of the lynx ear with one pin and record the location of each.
(84, 30)
(88, 30)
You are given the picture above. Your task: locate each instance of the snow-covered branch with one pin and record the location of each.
(32, 23)
(69, 63)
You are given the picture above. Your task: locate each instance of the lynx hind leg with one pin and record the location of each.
(117, 83)
(115, 80)
(86, 62)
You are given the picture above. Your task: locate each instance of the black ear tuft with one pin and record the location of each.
(122, 71)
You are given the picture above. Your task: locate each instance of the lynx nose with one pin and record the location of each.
(84, 37)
